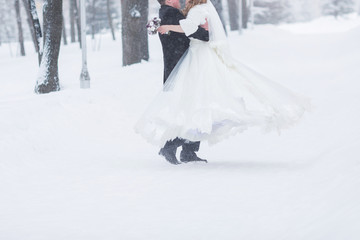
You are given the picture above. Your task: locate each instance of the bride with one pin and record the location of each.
(209, 96)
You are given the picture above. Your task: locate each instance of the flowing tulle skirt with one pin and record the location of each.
(209, 97)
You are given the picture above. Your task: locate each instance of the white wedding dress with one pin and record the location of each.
(209, 96)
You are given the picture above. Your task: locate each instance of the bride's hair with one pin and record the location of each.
(191, 4)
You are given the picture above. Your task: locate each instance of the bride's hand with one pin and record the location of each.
(205, 25)
(164, 29)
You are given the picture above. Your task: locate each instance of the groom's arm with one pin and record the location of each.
(201, 34)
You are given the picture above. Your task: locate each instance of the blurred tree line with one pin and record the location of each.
(19, 21)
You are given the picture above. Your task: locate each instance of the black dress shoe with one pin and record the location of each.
(190, 156)
(170, 154)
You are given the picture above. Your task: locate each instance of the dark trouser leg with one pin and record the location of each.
(191, 146)
(177, 142)
(169, 150)
(188, 152)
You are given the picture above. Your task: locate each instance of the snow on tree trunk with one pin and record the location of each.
(233, 14)
(20, 30)
(110, 19)
(134, 33)
(48, 78)
(35, 26)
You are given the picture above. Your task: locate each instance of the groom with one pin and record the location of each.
(174, 45)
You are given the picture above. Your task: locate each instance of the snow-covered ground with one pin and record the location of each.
(327, 24)
(71, 166)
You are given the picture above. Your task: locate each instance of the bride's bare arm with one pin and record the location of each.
(166, 28)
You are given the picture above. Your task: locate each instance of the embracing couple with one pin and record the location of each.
(208, 95)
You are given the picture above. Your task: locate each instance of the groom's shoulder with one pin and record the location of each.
(168, 11)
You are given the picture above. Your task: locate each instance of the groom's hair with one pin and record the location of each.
(162, 2)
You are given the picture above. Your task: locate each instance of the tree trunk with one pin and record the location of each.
(110, 19)
(143, 31)
(245, 15)
(77, 18)
(20, 30)
(31, 27)
(72, 21)
(35, 23)
(64, 32)
(219, 8)
(233, 6)
(48, 78)
(93, 19)
(251, 12)
(134, 33)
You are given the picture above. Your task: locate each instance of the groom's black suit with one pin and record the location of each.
(174, 46)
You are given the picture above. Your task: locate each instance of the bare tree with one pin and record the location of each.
(233, 6)
(93, 18)
(20, 30)
(34, 25)
(48, 78)
(272, 11)
(28, 20)
(244, 15)
(338, 8)
(219, 8)
(7, 24)
(64, 32)
(72, 21)
(110, 19)
(134, 33)
(77, 20)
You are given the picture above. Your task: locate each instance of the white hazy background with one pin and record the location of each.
(71, 166)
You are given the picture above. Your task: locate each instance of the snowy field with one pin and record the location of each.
(72, 168)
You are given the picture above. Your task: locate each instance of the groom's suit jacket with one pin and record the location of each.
(175, 44)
